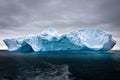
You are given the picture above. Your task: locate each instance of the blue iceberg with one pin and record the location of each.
(50, 40)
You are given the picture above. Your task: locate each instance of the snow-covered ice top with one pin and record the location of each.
(50, 40)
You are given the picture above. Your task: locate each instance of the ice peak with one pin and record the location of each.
(49, 32)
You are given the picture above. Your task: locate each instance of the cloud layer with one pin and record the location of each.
(23, 17)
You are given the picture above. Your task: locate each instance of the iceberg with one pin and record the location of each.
(51, 40)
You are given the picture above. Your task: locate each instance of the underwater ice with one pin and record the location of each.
(50, 40)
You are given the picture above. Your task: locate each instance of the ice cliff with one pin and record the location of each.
(50, 40)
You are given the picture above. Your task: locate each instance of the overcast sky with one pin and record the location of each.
(25, 17)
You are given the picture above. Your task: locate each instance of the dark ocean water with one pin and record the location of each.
(63, 65)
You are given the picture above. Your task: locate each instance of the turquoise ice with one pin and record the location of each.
(51, 40)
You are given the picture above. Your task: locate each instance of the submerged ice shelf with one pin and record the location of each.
(50, 40)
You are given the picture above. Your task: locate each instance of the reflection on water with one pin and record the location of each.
(63, 65)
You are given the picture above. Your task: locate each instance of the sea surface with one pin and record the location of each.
(62, 65)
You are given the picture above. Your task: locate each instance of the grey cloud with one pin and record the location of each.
(12, 14)
(31, 16)
(109, 11)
